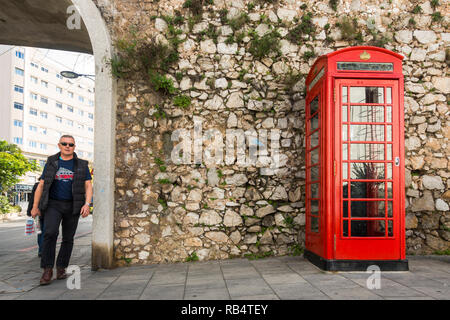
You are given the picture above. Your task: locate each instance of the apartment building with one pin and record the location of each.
(38, 105)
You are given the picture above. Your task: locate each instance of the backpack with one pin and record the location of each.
(31, 202)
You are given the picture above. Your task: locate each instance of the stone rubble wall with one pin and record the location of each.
(228, 211)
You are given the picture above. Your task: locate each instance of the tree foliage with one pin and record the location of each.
(13, 164)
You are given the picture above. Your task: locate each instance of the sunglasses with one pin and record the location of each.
(65, 144)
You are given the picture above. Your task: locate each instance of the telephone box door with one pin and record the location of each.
(368, 161)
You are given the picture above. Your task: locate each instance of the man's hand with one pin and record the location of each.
(85, 210)
(35, 212)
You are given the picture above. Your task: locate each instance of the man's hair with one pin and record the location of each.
(67, 136)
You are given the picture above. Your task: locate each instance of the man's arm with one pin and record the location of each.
(37, 197)
(88, 188)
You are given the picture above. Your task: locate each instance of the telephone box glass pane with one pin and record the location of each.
(314, 139)
(345, 170)
(314, 156)
(314, 207)
(369, 190)
(389, 209)
(345, 209)
(367, 170)
(367, 114)
(314, 105)
(366, 95)
(344, 94)
(345, 189)
(388, 114)
(314, 190)
(367, 132)
(388, 95)
(314, 171)
(345, 228)
(388, 170)
(367, 209)
(371, 151)
(314, 122)
(344, 132)
(344, 113)
(389, 190)
(344, 151)
(314, 224)
(390, 228)
(389, 152)
(388, 133)
(365, 228)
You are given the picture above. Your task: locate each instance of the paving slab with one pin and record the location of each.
(163, 292)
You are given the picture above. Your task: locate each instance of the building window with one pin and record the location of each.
(20, 55)
(19, 72)
(18, 123)
(80, 153)
(32, 128)
(33, 112)
(59, 119)
(34, 65)
(18, 89)
(32, 144)
(70, 108)
(44, 114)
(33, 79)
(80, 98)
(59, 90)
(91, 103)
(17, 140)
(44, 83)
(69, 123)
(18, 106)
(44, 69)
(33, 96)
(90, 129)
(43, 131)
(58, 105)
(81, 112)
(81, 126)
(44, 100)
(91, 116)
(59, 76)
(43, 146)
(70, 94)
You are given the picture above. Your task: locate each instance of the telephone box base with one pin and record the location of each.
(355, 265)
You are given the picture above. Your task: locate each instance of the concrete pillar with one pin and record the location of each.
(104, 140)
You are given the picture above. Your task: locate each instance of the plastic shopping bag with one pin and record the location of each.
(29, 227)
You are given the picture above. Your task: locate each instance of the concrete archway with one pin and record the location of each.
(42, 23)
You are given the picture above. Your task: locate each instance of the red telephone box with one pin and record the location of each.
(355, 201)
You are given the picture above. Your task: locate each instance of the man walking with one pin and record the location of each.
(63, 193)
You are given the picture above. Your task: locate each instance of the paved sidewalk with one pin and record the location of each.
(266, 279)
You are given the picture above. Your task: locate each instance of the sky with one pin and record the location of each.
(73, 61)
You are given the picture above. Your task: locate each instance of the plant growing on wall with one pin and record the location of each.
(261, 47)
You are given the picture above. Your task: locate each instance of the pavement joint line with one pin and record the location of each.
(108, 286)
(146, 285)
(412, 288)
(225, 281)
(311, 282)
(185, 282)
(273, 291)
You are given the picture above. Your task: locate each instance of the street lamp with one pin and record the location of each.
(74, 75)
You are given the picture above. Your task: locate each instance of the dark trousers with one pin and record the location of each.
(40, 237)
(58, 212)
